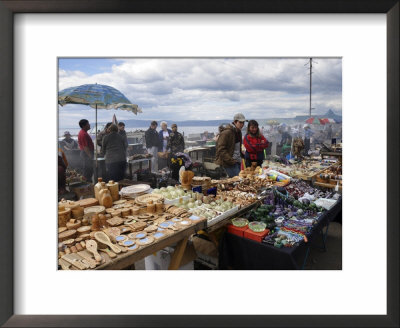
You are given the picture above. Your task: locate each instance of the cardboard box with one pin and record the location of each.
(239, 231)
(162, 259)
(257, 236)
(83, 190)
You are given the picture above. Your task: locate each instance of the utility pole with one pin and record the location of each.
(310, 62)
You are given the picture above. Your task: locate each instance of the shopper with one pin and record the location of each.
(307, 136)
(122, 132)
(164, 135)
(176, 142)
(152, 145)
(255, 144)
(229, 145)
(68, 143)
(114, 150)
(100, 137)
(87, 149)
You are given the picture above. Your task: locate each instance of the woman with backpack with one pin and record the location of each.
(255, 143)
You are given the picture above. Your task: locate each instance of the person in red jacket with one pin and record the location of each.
(255, 143)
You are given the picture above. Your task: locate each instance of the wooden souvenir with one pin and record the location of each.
(79, 247)
(119, 202)
(103, 238)
(159, 235)
(110, 253)
(73, 249)
(76, 261)
(151, 208)
(68, 242)
(151, 228)
(85, 221)
(116, 213)
(135, 210)
(87, 202)
(83, 244)
(83, 230)
(145, 216)
(145, 241)
(112, 233)
(110, 210)
(126, 212)
(120, 238)
(138, 226)
(98, 209)
(88, 257)
(130, 220)
(78, 240)
(64, 214)
(133, 248)
(73, 224)
(67, 250)
(91, 246)
(126, 205)
(62, 229)
(159, 207)
(114, 190)
(144, 199)
(64, 264)
(123, 249)
(137, 235)
(159, 220)
(115, 221)
(105, 198)
(68, 234)
(184, 223)
(125, 229)
(103, 220)
(77, 212)
(95, 223)
(127, 243)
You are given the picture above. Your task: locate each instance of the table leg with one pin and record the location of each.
(178, 254)
(130, 171)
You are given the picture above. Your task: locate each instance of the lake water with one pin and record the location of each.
(184, 130)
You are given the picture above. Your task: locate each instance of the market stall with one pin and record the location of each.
(264, 209)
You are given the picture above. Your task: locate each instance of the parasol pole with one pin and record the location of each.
(96, 144)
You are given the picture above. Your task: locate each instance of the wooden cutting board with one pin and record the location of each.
(87, 202)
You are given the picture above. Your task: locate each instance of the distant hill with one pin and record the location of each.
(144, 123)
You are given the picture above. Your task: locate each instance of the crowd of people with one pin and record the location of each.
(232, 148)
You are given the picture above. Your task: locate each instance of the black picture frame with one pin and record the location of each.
(10, 7)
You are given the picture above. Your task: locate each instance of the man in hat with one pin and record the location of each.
(122, 132)
(229, 146)
(68, 143)
(176, 142)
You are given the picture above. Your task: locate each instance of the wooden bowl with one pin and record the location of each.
(68, 234)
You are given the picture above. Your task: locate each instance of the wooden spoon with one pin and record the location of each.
(88, 257)
(91, 246)
(110, 253)
(103, 238)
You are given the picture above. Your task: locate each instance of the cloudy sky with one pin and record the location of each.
(207, 88)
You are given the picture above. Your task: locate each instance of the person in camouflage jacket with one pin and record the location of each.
(176, 142)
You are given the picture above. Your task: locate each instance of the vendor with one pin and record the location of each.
(255, 144)
(307, 136)
(62, 169)
(68, 143)
(176, 142)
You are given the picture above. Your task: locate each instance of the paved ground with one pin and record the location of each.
(331, 259)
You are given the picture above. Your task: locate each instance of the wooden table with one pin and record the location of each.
(125, 260)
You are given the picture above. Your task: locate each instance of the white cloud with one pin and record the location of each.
(216, 88)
